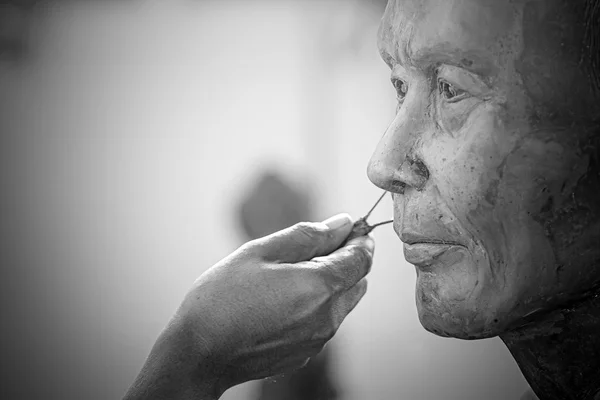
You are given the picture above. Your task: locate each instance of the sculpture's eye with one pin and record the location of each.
(401, 89)
(449, 92)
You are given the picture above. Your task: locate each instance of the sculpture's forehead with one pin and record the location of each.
(413, 28)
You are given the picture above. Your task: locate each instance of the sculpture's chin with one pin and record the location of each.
(455, 329)
(448, 316)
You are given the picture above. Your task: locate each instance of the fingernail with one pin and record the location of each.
(338, 221)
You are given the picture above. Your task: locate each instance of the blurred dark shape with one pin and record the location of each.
(15, 24)
(273, 204)
(313, 382)
(270, 205)
(379, 3)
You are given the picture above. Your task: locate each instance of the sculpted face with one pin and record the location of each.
(488, 158)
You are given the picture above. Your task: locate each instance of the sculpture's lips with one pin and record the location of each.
(414, 238)
(424, 254)
(422, 251)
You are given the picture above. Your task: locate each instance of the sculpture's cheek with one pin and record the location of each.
(510, 269)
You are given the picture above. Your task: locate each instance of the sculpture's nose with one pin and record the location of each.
(385, 173)
(396, 164)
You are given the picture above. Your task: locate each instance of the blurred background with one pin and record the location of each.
(141, 142)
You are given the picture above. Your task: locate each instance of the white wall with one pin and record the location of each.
(128, 141)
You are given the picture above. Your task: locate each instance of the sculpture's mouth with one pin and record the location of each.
(423, 251)
(411, 238)
(425, 254)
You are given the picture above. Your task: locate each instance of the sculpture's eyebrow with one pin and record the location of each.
(387, 57)
(474, 61)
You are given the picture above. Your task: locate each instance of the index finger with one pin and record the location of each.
(346, 266)
(305, 240)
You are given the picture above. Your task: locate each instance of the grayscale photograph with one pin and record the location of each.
(300, 199)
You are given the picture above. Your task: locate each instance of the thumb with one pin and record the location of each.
(305, 240)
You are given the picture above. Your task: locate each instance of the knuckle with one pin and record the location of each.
(304, 226)
(360, 293)
(361, 256)
(316, 287)
(251, 248)
(331, 278)
(330, 333)
(309, 228)
(364, 285)
(321, 292)
(324, 335)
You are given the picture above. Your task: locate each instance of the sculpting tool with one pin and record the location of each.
(361, 227)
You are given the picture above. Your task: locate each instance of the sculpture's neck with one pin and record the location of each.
(559, 352)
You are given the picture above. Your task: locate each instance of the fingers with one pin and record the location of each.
(345, 267)
(347, 302)
(305, 240)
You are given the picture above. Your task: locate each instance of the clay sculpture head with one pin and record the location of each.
(493, 156)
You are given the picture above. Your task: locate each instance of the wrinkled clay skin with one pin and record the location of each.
(494, 148)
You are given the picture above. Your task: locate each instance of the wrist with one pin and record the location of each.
(197, 353)
(178, 367)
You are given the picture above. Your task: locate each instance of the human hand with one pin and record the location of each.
(275, 302)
